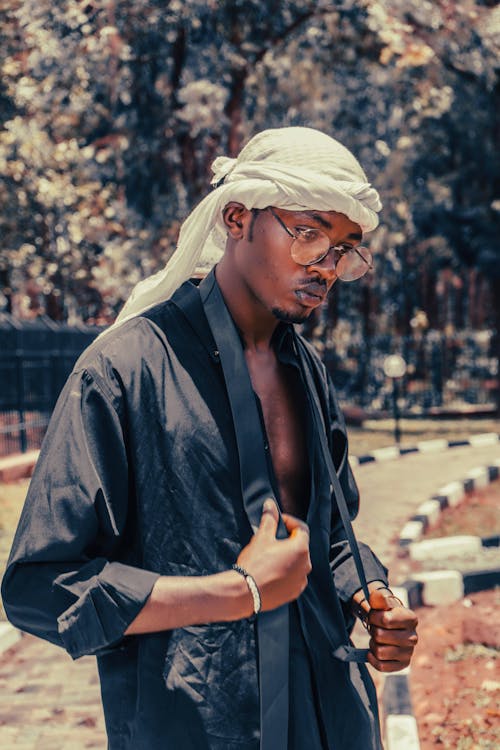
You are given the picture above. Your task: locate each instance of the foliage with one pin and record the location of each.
(112, 113)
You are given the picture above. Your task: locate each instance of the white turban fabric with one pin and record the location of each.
(292, 168)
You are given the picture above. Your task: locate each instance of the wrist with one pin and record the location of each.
(237, 595)
(360, 606)
(358, 595)
(252, 587)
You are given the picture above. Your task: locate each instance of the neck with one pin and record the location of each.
(255, 323)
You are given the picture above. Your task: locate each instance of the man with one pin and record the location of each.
(187, 442)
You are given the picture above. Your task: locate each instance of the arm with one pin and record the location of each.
(64, 582)
(392, 626)
(341, 560)
(278, 566)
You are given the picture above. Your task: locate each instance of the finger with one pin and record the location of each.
(380, 599)
(398, 618)
(403, 638)
(269, 519)
(386, 666)
(295, 525)
(391, 653)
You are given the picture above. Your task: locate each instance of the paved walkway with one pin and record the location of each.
(48, 702)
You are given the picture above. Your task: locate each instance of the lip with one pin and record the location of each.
(310, 296)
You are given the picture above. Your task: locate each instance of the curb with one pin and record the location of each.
(401, 731)
(18, 466)
(451, 546)
(436, 587)
(430, 588)
(448, 496)
(425, 446)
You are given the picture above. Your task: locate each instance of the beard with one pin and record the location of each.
(288, 317)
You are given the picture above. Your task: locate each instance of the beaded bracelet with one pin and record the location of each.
(253, 588)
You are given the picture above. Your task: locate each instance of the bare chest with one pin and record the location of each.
(282, 407)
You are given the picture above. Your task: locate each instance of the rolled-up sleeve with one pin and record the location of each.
(73, 577)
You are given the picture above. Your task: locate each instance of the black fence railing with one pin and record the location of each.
(443, 373)
(36, 357)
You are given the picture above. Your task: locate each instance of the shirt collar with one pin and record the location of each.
(283, 343)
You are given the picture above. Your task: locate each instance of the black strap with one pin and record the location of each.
(272, 626)
(345, 653)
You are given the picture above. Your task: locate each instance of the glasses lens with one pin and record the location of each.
(309, 247)
(354, 264)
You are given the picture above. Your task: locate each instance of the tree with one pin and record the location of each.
(113, 113)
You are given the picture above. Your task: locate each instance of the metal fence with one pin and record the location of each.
(36, 357)
(443, 372)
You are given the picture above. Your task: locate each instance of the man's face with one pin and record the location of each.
(288, 290)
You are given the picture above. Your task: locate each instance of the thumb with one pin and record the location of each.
(380, 599)
(269, 520)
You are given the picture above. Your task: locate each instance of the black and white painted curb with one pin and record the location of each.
(432, 588)
(401, 732)
(450, 495)
(425, 446)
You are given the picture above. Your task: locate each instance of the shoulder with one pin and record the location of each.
(120, 351)
(125, 353)
(121, 344)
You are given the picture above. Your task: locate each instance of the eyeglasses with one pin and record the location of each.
(311, 245)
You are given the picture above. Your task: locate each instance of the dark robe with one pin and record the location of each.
(138, 477)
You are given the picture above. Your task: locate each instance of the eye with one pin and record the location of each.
(308, 234)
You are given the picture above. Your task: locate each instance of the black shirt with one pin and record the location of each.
(138, 477)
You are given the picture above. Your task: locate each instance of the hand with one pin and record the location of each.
(279, 566)
(392, 628)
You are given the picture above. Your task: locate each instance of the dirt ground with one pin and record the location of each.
(455, 678)
(478, 514)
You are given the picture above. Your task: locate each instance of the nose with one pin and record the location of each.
(326, 267)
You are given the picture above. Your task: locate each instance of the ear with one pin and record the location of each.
(236, 217)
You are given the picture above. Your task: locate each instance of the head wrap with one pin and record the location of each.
(292, 168)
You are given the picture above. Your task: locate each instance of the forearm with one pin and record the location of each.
(178, 601)
(344, 571)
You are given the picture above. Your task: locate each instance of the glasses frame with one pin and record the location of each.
(369, 266)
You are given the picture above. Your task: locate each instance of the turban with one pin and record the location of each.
(292, 168)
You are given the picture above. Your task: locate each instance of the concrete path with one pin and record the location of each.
(48, 702)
